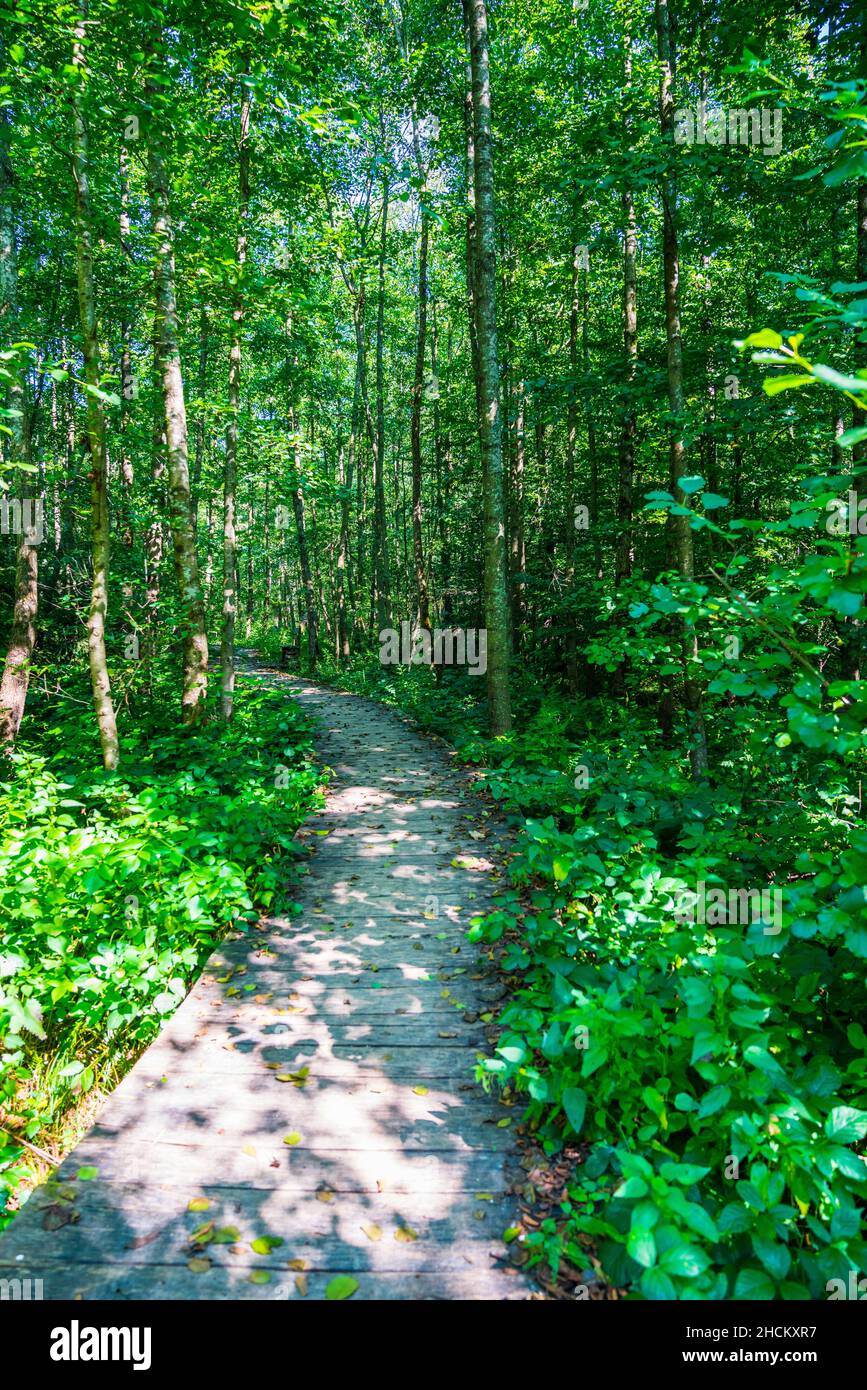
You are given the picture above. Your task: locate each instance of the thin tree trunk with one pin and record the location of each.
(199, 452)
(417, 398)
(300, 522)
(127, 381)
(680, 530)
(516, 527)
(101, 685)
(571, 441)
(624, 557)
(380, 561)
(22, 638)
(230, 476)
(496, 576)
(195, 637)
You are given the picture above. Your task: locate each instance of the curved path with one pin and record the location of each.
(316, 1085)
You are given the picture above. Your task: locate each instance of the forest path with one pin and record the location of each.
(384, 1161)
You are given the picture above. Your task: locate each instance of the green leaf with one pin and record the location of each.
(575, 1104)
(846, 1124)
(340, 1287)
(263, 1245)
(764, 338)
(656, 1285)
(773, 385)
(640, 1244)
(754, 1283)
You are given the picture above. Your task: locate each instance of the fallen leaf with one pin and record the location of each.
(301, 1284)
(340, 1287)
(373, 1232)
(199, 1264)
(263, 1245)
(405, 1233)
(198, 1204)
(141, 1241)
(55, 1217)
(292, 1139)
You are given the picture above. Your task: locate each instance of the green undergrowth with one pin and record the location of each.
(714, 1072)
(115, 888)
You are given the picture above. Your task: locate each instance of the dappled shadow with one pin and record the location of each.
(314, 1092)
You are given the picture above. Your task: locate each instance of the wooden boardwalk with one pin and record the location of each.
(315, 1088)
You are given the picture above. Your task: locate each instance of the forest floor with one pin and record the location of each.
(307, 1124)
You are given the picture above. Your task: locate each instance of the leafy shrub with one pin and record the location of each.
(718, 1072)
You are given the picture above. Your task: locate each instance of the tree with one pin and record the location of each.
(488, 372)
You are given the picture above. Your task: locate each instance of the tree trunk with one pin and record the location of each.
(22, 638)
(680, 530)
(195, 637)
(518, 564)
(127, 381)
(99, 677)
(624, 557)
(380, 563)
(417, 398)
(230, 476)
(571, 440)
(199, 452)
(300, 523)
(491, 431)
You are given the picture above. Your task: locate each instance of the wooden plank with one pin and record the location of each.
(349, 1231)
(146, 1163)
(120, 1282)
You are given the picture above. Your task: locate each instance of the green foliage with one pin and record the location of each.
(115, 889)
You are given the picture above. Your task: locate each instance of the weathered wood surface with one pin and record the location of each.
(350, 1031)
